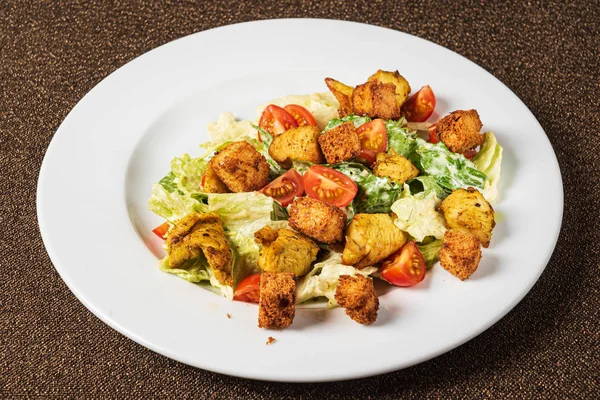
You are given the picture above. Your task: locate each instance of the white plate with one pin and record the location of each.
(98, 170)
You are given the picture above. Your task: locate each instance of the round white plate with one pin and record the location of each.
(99, 168)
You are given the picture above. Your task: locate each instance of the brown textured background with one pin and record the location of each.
(53, 52)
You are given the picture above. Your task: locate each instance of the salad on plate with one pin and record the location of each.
(323, 193)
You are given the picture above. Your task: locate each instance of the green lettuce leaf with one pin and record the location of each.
(489, 161)
(356, 119)
(401, 138)
(418, 216)
(375, 194)
(323, 279)
(172, 205)
(430, 251)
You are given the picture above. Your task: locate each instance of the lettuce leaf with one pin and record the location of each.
(375, 194)
(489, 161)
(400, 137)
(323, 279)
(356, 119)
(418, 216)
(430, 251)
(172, 205)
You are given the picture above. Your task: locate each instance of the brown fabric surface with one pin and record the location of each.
(53, 52)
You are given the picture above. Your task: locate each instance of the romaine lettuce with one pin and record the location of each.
(356, 119)
(418, 216)
(489, 161)
(401, 138)
(430, 251)
(172, 205)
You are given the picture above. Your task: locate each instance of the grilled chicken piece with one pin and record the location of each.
(343, 93)
(285, 251)
(300, 144)
(211, 182)
(401, 84)
(394, 166)
(201, 232)
(371, 238)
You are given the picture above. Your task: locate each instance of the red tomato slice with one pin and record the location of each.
(302, 116)
(470, 153)
(406, 267)
(373, 139)
(433, 136)
(161, 230)
(285, 188)
(329, 185)
(276, 120)
(420, 105)
(248, 289)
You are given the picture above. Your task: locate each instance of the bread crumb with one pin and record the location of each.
(270, 340)
(228, 315)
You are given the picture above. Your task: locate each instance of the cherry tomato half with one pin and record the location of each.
(420, 105)
(433, 136)
(373, 139)
(161, 230)
(248, 289)
(329, 185)
(285, 188)
(276, 120)
(406, 267)
(302, 116)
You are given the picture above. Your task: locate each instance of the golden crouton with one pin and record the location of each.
(357, 295)
(468, 211)
(375, 99)
(343, 94)
(241, 168)
(288, 252)
(300, 144)
(317, 220)
(394, 166)
(277, 303)
(371, 238)
(401, 84)
(460, 254)
(211, 182)
(459, 130)
(340, 143)
(200, 232)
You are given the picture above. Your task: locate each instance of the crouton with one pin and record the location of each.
(459, 130)
(288, 252)
(357, 295)
(299, 144)
(466, 210)
(201, 232)
(343, 94)
(340, 143)
(318, 220)
(401, 84)
(460, 254)
(211, 182)
(277, 303)
(370, 239)
(375, 99)
(394, 166)
(241, 168)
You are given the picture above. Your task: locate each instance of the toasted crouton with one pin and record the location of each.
(299, 144)
(466, 210)
(317, 220)
(357, 295)
(460, 254)
(459, 130)
(277, 303)
(340, 143)
(401, 84)
(241, 168)
(343, 94)
(375, 99)
(394, 166)
(211, 182)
